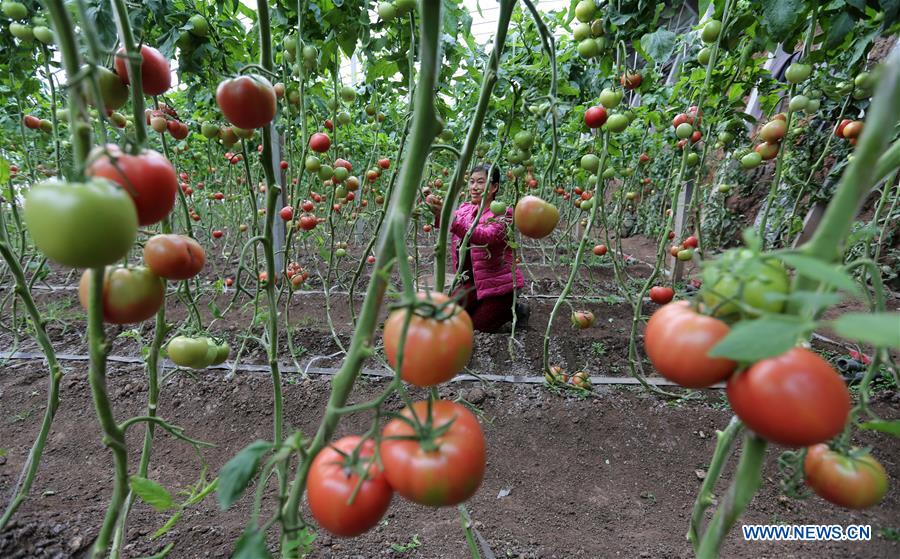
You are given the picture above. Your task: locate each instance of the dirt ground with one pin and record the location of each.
(611, 475)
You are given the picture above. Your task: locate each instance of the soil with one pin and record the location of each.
(614, 474)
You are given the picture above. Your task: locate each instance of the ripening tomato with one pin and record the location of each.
(247, 101)
(174, 257)
(631, 80)
(307, 222)
(661, 295)
(582, 319)
(774, 131)
(594, 117)
(853, 129)
(795, 399)
(767, 151)
(148, 177)
(857, 481)
(31, 122)
(156, 78)
(436, 347)
(434, 469)
(384, 163)
(690, 242)
(319, 142)
(839, 131)
(677, 340)
(334, 500)
(600, 250)
(129, 294)
(535, 218)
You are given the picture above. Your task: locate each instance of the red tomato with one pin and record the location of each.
(853, 129)
(436, 347)
(600, 250)
(308, 222)
(661, 295)
(339, 162)
(175, 257)
(319, 142)
(247, 101)
(644, 158)
(695, 137)
(535, 218)
(384, 163)
(219, 196)
(31, 122)
(439, 470)
(148, 177)
(229, 282)
(594, 117)
(795, 399)
(156, 78)
(690, 242)
(218, 234)
(129, 294)
(334, 501)
(677, 340)
(287, 213)
(857, 481)
(370, 259)
(328, 124)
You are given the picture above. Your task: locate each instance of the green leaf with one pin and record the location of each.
(813, 268)
(237, 472)
(4, 170)
(841, 26)
(658, 45)
(769, 336)
(251, 545)
(151, 493)
(878, 329)
(889, 427)
(780, 16)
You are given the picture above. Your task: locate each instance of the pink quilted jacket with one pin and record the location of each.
(491, 257)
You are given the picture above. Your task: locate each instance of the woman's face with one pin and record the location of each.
(477, 186)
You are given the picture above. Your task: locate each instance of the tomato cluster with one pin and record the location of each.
(197, 352)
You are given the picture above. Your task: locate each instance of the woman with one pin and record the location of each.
(487, 278)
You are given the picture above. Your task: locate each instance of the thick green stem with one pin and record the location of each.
(724, 442)
(747, 479)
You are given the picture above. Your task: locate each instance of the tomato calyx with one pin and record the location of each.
(427, 308)
(425, 432)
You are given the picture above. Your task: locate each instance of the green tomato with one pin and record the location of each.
(343, 118)
(209, 130)
(188, 352)
(798, 72)
(608, 173)
(341, 174)
(812, 106)
(581, 31)
(587, 204)
(711, 31)
(686, 254)
(751, 160)
(82, 225)
(340, 192)
(741, 277)
(588, 48)
(404, 7)
(312, 164)
(610, 98)
(864, 80)
(590, 162)
(684, 131)
(340, 253)
(726, 137)
(348, 94)
(43, 34)
(212, 351)
(326, 172)
(524, 140)
(386, 11)
(617, 123)
(112, 90)
(703, 56)
(585, 10)
(798, 103)
(724, 188)
(199, 25)
(693, 159)
(498, 208)
(222, 353)
(14, 10)
(21, 32)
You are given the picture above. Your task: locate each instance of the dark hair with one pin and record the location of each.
(486, 169)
